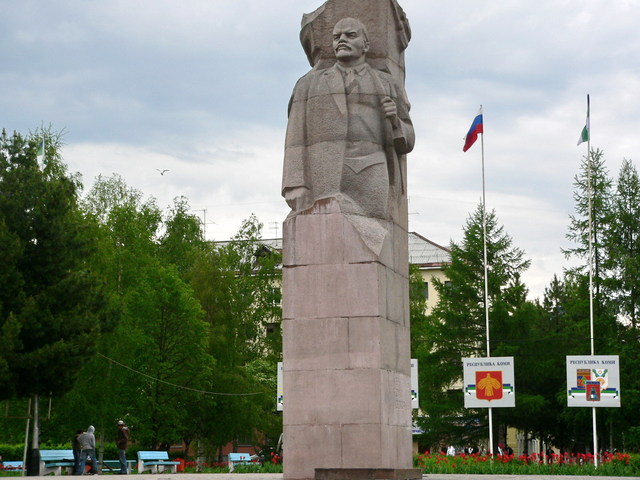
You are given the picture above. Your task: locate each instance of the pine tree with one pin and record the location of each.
(592, 181)
(456, 327)
(52, 306)
(622, 242)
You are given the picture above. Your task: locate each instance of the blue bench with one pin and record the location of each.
(156, 461)
(113, 466)
(13, 466)
(54, 461)
(238, 459)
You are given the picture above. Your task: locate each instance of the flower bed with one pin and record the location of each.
(273, 465)
(609, 464)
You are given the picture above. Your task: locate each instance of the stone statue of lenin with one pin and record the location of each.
(348, 128)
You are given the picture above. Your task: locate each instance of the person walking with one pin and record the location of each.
(77, 452)
(122, 442)
(87, 442)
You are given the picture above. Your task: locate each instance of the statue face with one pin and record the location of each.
(349, 42)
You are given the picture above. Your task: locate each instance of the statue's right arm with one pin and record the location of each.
(295, 188)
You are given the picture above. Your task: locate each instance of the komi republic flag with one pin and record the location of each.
(40, 152)
(584, 135)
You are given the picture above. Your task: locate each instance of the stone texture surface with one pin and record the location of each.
(367, 474)
(387, 45)
(349, 127)
(346, 349)
(346, 372)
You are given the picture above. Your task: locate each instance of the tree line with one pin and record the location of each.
(111, 308)
(538, 333)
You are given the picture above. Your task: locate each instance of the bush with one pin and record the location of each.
(11, 452)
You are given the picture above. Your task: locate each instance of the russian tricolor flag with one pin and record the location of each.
(472, 134)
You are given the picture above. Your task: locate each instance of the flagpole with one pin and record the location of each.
(472, 135)
(591, 332)
(486, 279)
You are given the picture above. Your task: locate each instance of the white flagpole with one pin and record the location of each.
(486, 276)
(591, 332)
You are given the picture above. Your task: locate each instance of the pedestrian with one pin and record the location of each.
(122, 442)
(549, 455)
(75, 446)
(87, 442)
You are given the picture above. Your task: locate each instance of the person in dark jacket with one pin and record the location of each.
(122, 442)
(75, 445)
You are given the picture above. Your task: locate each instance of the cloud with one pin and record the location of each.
(201, 88)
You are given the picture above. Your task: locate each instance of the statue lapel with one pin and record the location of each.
(335, 85)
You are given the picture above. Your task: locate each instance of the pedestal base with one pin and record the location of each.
(346, 346)
(368, 474)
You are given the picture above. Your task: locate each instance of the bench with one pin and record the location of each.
(113, 466)
(155, 461)
(13, 466)
(238, 459)
(54, 461)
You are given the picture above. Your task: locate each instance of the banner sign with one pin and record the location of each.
(593, 381)
(414, 384)
(488, 382)
(279, 390)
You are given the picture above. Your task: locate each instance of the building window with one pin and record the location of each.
(273, 328)
(275, 296)
(425, 290)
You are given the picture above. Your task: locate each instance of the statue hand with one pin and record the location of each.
(390, 110)
(297, 198)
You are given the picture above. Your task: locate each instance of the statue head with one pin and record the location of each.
(350, 41)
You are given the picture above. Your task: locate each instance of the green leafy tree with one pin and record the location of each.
(456, 326)
(238, 285)
(128, 230)
(52, 306)
(165, 320)
(183, 239)
(622, 241)
(615, 233)
(592, 186)
(155, 358)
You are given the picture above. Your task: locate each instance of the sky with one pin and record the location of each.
(200, 88)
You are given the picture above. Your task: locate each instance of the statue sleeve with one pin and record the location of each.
(295, 151)
(404, 135)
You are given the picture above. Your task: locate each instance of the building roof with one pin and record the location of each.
(425, 253)
(422, 251)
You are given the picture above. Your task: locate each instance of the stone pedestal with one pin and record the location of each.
(346, 346)
(367, 474)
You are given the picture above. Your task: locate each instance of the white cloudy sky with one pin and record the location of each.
(200, 87)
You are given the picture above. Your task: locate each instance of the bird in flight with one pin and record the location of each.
(162, 172)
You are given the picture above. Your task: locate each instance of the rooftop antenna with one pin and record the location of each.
(203, 221)
(275, 226)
